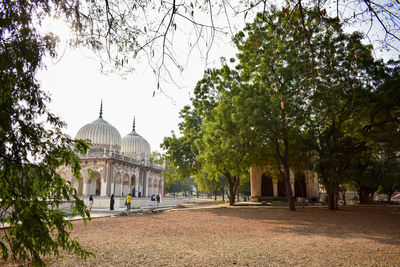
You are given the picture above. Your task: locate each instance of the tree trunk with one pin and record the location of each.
(285, 174)
(231, 193)
(233, 183)
(215, 194)
(364, 196)
(288, 189)
(332, 200)
(390, 196)
(223, 194)
(344, 197)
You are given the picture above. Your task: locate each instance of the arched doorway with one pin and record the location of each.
(125, 185)
(266, 186)
(155, 186)
(96, 184)
(300, 188)
(80, 187)
(133, 185)
(281, 189)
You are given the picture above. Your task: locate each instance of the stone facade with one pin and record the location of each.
(115, 166)
(115, 174)
(266, 186)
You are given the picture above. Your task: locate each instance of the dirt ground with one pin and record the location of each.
(243, 236)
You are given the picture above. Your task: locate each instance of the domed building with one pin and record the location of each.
(101, 134)
(121, 166)
(135, 146)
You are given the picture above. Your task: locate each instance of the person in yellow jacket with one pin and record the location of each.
(128, 202)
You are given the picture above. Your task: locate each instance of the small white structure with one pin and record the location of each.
(264, 186)
(120, 166)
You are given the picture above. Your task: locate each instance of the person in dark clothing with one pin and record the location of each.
(90, 202)
(112, 202)
(139, 191)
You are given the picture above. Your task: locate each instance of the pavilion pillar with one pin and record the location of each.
(85, 189)
(255, 183)
(275, 187)
(103, 181)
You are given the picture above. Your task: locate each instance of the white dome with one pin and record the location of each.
(133, 145)
(101, 134)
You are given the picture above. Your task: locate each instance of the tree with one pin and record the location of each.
(383, 128)
(390, 180)
(152, 29)
(32, 145)
(244, 187)
(222, 151)
(181, 152)
(274, 58)
(157, 157)
(347, 74)
(213, 185)
(180, 186)
(364, 174)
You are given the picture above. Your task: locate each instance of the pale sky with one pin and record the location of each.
(77, 86)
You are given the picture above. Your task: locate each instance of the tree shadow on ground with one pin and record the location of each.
(380, 224)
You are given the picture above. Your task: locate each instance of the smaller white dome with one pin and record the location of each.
(135, 146)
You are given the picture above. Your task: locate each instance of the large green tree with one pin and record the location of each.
(306, 77)
(276, 61)
(32, 145)
(301, 94)
(182, 152)
(348, 77)
(222, 150)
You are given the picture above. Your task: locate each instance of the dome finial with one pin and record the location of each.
(133, 128)
(101, 110)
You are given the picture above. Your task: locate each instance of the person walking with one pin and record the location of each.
(139, 191)
(112, 202)
(90, 202)
(128, 202)
(158, 199)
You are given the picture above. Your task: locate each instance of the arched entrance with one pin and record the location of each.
(133, 185)
(266, 186)
(125, 185)
(95, 184)
(98, 187)
(281, 189)
(300, 188)
(80, 187)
